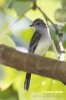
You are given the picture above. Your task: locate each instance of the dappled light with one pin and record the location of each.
(16, 16)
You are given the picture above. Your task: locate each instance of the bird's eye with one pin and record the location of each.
(39, 23)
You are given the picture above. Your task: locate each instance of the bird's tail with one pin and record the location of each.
(27, 81)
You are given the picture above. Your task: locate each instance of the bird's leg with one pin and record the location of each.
(27, 81)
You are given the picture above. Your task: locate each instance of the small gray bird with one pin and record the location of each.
(39, 44)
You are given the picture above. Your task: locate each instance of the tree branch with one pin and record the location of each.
(33, 63)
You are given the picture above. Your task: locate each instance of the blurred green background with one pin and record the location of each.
(15, 18)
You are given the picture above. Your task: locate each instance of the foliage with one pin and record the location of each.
(8, 94)
(60, 14)
(15, 33)
(7, 74)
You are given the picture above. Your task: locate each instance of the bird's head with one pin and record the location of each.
(39, 24)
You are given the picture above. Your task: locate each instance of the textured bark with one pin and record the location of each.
(33, 63)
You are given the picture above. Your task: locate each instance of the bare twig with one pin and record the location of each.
(33, 63)
(60, 36)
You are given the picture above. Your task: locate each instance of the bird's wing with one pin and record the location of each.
(34, 41)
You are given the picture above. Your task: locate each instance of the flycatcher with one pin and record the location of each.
(39, 43)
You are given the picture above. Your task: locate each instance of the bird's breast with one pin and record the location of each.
(43, 45)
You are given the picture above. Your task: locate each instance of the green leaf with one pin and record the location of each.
(51, 54)
(26, 34)
(21, 7)
(7, 18)
(47, 7)
(63, 29)
(2, 3)
(25, 0)
(8, 94)
(60, 15)
(40, 87)
(4, 39)
(11, 12)
(63, 2)
(7, 74)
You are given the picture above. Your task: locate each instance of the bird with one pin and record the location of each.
(39, 44)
